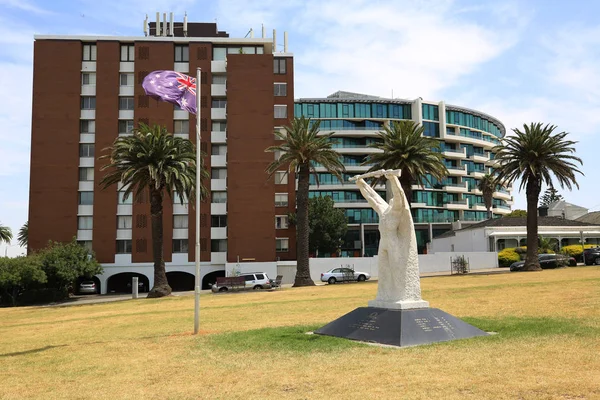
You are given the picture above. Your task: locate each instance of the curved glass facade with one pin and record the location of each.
(467, 140)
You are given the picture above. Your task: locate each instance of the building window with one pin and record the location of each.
(218, 245)
(282, 244)
(218, 173)
(86, 244)
(281, 199)
(279, 66)
(281, 177)
(181, 126)
(431, 112)
(122, 200)
(218, 197)
(85, 198)
(281, 222)
(87, 126)
(125, 126)
(86, 174)
(126, 79)
(123, 246)
(126, 103)
(219, 53)
(85, 223)
(219, 126)
(88, 102)
(127, 52)
(89, 52)
(219, 103)
(280, 111)
(86, 150)
(219, 79)
(432, 129)
(218, 221)
(180, 221)
(182, 53)
(124, 222)
(177, 199)
(88, 78)
(218, 149)
(180, 245)
(280, 89)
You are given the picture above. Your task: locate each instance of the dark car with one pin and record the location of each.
(548, 261)
(591, 256)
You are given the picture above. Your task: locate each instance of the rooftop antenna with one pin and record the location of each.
(185, 24)
(146, 26)
(164, 27)
(171, 25)
(264, 32)
(157, 26)
(250, 32)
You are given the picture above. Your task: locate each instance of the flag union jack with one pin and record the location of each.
(186, 83)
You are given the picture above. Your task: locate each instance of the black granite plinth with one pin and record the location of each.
(400, 327)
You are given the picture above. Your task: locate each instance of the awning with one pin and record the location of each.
(548, 233)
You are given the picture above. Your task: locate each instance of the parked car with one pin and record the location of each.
(141, 287)
(548, 261)
(344, 275)
(253, 280)
(88, 287)
(591, 256)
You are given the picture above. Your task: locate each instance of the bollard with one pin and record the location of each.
(134, 287)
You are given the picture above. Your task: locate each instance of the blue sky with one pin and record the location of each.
(520, 61)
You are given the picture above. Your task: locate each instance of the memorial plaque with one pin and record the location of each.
(400, 327)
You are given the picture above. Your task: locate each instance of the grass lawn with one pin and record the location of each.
(253, 345)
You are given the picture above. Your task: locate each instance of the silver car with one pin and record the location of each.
(88, 287)
(251, 280)
(344, 275)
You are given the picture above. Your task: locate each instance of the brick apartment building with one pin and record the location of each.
(87, 92)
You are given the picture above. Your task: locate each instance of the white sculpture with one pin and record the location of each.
(399, 284)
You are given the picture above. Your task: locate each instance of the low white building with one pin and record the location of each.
(497, 234)
(562, 209)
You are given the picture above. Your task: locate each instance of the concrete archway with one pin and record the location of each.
(210, 278)
(121, 283)
(181, 281)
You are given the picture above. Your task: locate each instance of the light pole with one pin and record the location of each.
(198, 194)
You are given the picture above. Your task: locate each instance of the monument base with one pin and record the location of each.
(400, 305)
(400, 327)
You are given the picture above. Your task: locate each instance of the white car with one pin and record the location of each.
(344, 275)
(251, 280)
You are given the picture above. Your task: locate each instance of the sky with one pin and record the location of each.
(519, 61)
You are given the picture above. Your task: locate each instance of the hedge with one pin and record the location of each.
(508, 256)
(575, 250)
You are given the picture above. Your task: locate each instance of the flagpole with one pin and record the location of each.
(198, 194)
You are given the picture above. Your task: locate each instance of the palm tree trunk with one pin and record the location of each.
(406, 183)
(533, 193)
(161, 285)
(302, 269)
(490, 215)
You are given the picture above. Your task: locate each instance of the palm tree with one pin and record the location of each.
(487, 185)
(23, 236)
(154, 160)
(405, 148)
(534, 155)
(301, 148)
(5, 234)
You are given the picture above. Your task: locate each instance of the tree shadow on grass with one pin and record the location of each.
(32, 351)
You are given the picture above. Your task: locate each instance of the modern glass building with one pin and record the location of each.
(467, 138)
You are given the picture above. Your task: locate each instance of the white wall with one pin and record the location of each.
(270, 268)
(440, 262)
(470, 240)
(363, 264)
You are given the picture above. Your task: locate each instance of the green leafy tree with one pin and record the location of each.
(327, 225)
(546, 245)
(550, 196)
(516, 214)
(17, 275)
(487, 185)
(301, 149)
(153, 160)
(5, 234)
(405, 148)
(533, 156)
(63, 263)
(23, 236)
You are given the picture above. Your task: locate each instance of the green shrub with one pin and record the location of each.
(507, 257)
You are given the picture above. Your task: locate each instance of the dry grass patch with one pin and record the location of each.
(253, 345)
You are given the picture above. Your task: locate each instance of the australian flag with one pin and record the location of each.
(173, 87)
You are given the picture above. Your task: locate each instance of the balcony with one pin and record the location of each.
(218, 66)
(218, 161)
(86, 186)
(218, 90)
(86, 161)
(478, 174)
(125, 209)
(89, 66)
(124, 234)
(351, 204)
(501, 210)
(456, 188)
(84, 234)
(183, 67)
(458, 171)
(88, 90)
(479, 207)
(180, 209)
(87, 138)
(85, 210)
(455, 154)
(218, 208)
(181, 115)
(126, 91)
(87, 114)
(502, 195)
(127, 66)
(219, 257)
(218, 113)
(218, 184)
(218, 233)
(480, 157)
(218, 137)
(125, 114)
(458, 205)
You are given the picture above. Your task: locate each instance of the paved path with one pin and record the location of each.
(108, 298)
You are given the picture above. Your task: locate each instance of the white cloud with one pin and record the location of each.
(24, 5)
